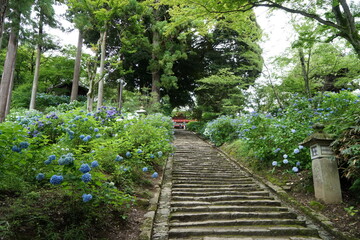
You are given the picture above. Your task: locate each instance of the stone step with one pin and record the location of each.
(257, 202)
(217, 189)
(208, 197)
(210, 177)
(220, 198)
(219, 185)
(220, 208)
(189, 216)
(242, 232)
(207, 193)
(210, 182)
(245, 238)
(240, 223)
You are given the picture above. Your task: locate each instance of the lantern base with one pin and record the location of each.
(326, 180)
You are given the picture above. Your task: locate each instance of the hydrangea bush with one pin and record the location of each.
(91, 157)
(274, 137)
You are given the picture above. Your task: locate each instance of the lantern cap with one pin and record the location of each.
(319, 136)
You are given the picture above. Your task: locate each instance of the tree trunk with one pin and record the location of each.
(305, 72)
(36, 78)
(120, 93)
(8, 71)
(3, 9)
(76, 77)
(8, 102)
(102, 65)
(155, 73)
(37, 64)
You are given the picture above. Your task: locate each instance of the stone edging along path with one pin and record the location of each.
(189, 219)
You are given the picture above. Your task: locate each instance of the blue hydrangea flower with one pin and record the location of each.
(66, 159)
(16, 149)
(285, 161)
(139, 151)
(77, 117)
(86, 177)
(301, 147)
(86, 197)
(293, 130)
(160, 153)
(145, 169)
(47, 162)
(56, 179)
(295, 169)
(296, 150)
(155, 175)
(274, 163)
(152, 156)
(24, 145)
(277, 150)
(94, 164)
(119, 158)
(298, 163)
(96, 129)
(98, 135)
(40, 176)
(52, 157)
(84, 168)
(82, 136)
(128, 154)
(285, 156)
(87, 138)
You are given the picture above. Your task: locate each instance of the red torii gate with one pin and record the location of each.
(181, 122)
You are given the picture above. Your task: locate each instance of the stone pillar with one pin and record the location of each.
(324, 166)
(326, 180)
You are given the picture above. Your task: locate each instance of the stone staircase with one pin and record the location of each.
(212, 198)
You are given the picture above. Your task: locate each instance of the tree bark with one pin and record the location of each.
(3, 9)
(155, 73)
(8, 71)
(8, 102)
(76, 77)
(102, 65)
(305, 71)
(120, 92)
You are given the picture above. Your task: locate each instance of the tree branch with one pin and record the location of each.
(316, 17)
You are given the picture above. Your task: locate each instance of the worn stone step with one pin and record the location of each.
(240, 222)
(245, 238)
(220, 198)
(217, 189)
(210, 182)
(220, 208)
(243, 232)
(257, 202)
(219, 185)
(185, 216)
(210, 177)
(211, 194)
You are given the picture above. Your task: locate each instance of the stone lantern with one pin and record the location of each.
(141, 111)
(324, 166)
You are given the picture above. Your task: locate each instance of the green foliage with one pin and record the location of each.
(196, 126)
(65, 166)
(274, 138)
(351, 210)
(221, 94)
(316, 205)
(221, 130)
